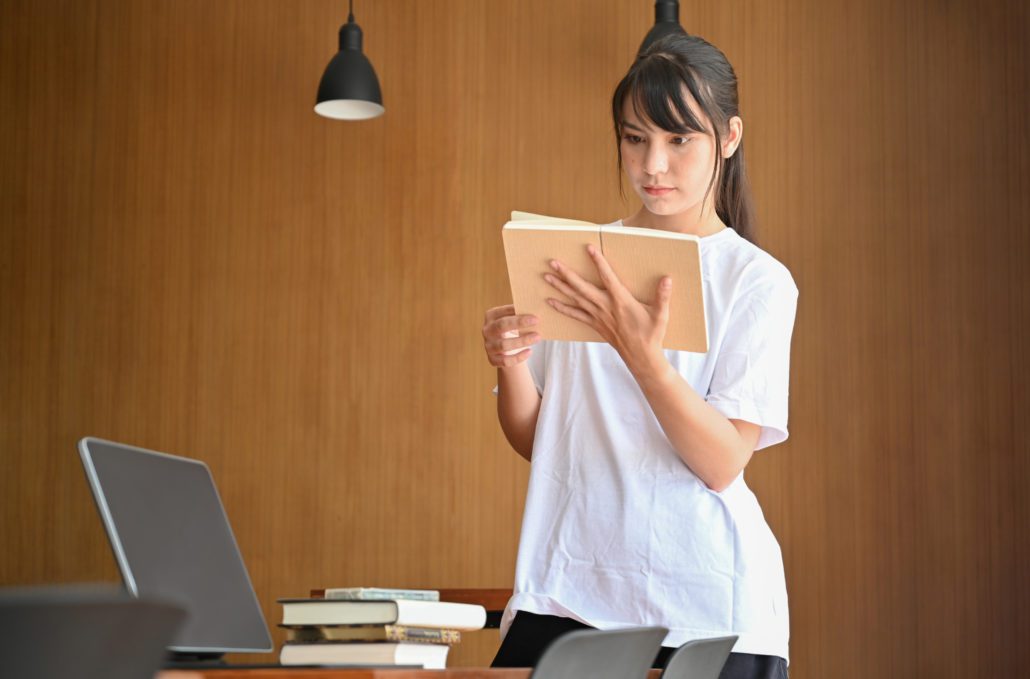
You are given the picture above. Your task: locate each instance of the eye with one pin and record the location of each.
(632, 138)
(680, 141)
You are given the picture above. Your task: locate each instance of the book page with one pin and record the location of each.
(530, 218)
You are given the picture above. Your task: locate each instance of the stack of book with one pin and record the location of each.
(371, 626)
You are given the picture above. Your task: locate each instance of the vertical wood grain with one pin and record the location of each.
(192, 261)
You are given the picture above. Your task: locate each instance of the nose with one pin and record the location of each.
(656, 160)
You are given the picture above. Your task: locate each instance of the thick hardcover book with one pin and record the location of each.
(438, 614)
(417, 635)
(430, 656)
(380, 594)
(639, 257)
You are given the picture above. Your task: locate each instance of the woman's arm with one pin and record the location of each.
(507, 339)
(518, 404)
(714, 447)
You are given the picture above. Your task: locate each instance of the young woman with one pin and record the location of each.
(637, 511)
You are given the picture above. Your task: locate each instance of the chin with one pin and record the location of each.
(663, 209)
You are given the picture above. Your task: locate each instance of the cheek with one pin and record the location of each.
(629, 157)
(697, 165)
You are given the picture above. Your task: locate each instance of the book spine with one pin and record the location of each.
(422, 635)
(365, 634)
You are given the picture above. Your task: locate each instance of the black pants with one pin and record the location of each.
(530, 634)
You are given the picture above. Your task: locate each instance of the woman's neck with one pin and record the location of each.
(706, 224)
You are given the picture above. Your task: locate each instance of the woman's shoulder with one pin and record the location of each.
(733, 259)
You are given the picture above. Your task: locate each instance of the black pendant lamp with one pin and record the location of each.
(349, 89)
(666, 22)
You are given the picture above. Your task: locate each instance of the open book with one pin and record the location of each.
(639, 257)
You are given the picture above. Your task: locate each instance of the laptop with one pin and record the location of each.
(172, 540)
(83, 632)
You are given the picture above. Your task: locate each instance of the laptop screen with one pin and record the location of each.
(172, 540)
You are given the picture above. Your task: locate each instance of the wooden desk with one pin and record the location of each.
(453, 673)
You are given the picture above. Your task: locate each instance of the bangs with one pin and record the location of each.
(657, 89)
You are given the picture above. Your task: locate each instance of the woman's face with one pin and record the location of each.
(670, 171)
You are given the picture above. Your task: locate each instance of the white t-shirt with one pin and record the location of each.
(617, 530)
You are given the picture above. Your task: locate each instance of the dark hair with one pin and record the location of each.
(654, 85)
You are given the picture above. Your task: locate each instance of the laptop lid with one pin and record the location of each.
(172, 540)
(83, 632)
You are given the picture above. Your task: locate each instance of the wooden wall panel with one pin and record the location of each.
(191, 260)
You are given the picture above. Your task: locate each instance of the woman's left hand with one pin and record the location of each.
(635, 329)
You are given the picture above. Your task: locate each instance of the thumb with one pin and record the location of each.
(663, 295)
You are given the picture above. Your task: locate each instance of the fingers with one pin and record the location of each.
(507, 336)
(570, 293)
(605, 271)
(573, 286)
(502, 319)
(519, 325)
(508, 351)
(499, 311)
(505, 345)
(571, 311)
(507, 332)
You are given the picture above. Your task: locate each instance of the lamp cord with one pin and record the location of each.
(350, 14)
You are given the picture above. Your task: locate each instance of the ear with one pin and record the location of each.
(732, 140)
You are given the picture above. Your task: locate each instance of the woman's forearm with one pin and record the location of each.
(714, 447)
(518, 404)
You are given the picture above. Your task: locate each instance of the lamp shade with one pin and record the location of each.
(666, 22)
(349, 89)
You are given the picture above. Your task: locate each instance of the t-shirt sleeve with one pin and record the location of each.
(752, 370)
(537, 363)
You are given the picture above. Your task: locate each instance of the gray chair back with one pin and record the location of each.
(83, 633)
(616, 654)
(699, 659)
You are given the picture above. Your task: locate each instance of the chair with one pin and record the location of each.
(699, 659)
(617, 654)
(83, 633)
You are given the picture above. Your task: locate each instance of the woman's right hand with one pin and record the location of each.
(505, 336)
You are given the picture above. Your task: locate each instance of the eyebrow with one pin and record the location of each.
(640, 129)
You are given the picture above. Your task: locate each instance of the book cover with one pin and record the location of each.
(640, 258)
(429, 656)
(436, 614)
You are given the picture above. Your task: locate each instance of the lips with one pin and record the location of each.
(658, 190)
